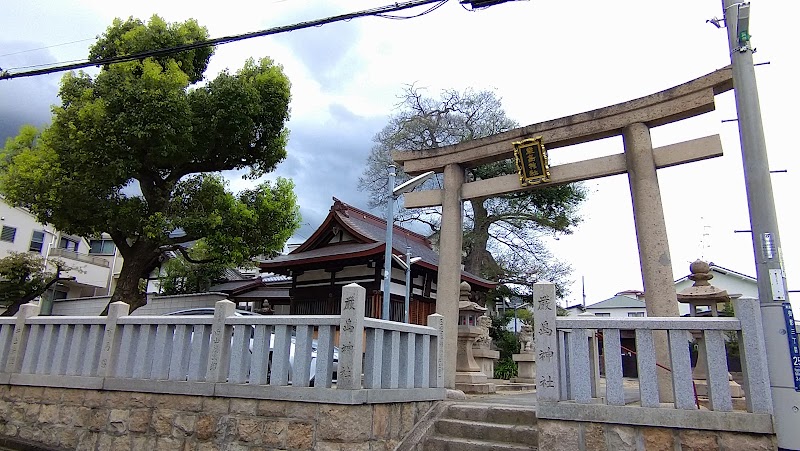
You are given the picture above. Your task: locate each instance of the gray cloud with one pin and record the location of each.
(326, 160)
(326, 51)
(25, 100)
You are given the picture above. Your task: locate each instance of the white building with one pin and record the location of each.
(626, 304)
(631, 303)
(95, 263)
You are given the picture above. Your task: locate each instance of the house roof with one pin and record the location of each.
(722, 270)
(236, 287)
(368, 234)
(275, 279)
(617, 302)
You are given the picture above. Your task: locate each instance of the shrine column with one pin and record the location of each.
(651, 235)
(448, 283)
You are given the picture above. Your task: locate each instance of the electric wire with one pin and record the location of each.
(429, 10)
(6, 75)
(48, 47)
(74, 42)
(47, 64)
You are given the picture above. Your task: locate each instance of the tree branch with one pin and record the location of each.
(185, 253)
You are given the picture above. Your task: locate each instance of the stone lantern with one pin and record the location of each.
(702, 293)
(469, 377)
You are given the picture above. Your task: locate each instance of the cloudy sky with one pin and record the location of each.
(546, 59)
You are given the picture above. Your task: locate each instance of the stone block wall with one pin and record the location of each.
(107, 420)
(558, 435)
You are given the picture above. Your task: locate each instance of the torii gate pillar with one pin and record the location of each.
(651, 229)
(651, 235)
(448, 285)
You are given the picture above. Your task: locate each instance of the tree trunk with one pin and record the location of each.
(139, 261)
(478, 260)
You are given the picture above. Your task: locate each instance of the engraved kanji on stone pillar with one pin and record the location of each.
(545, 347)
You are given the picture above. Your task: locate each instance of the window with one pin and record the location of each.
(602, 314)
(68, 244)
(636, 314)
(8, 234)
(104, 247)
(37, 241)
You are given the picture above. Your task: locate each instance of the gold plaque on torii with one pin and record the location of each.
(531, 158)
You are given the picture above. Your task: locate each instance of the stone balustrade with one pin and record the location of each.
(290, 358)
(566, 392)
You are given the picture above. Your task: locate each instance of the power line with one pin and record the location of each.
(379, 11)
(48, 47)
(47, 64)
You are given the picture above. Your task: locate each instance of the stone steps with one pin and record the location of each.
(439, 443)
(498, 414)
(515, 386)
(483, 427)
(507, 433)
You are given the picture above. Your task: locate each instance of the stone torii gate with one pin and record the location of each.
(632, 120)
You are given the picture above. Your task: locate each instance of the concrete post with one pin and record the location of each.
(110, 349)
(764, 225)
(219, 354)
(545, 342)
(436, 362)
(351, 337)
(20, 337)
(449, 277)
(651, 235)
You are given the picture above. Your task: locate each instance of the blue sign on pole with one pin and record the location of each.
(794, 345)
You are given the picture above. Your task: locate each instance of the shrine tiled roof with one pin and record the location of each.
(368, 234)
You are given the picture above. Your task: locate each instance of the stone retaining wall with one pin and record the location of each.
(557, 435)
(109, 420)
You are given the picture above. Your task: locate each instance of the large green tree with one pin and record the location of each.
(503, 234)
(186, 274)
(137, 151)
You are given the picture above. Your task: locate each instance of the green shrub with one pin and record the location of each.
(505, 369)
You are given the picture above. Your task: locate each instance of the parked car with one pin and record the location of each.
(209, 311)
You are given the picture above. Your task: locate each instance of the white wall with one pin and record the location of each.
(26, 224)
(165, 304)
(156, 306)
(80, 306)
(613, 312)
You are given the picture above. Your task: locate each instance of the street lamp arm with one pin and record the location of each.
(409, 185)
(388, 254)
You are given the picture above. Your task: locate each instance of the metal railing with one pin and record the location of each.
(64, 253)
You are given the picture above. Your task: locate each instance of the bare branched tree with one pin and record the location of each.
(503, 234)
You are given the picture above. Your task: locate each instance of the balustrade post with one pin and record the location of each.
(545, 347)
(437, 358)
(19, 338)
(351, 337)
(109, 351)
(219, 353)
(753, 354)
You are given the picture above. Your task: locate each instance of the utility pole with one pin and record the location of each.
(771, 278)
